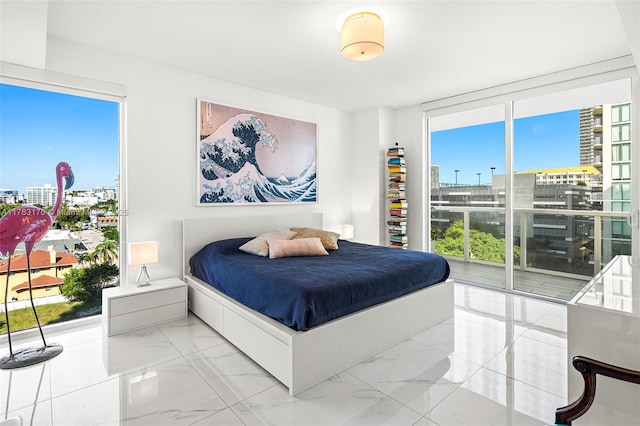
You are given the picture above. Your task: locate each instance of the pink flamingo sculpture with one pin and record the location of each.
(28, 225)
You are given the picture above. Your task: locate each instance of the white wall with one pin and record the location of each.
(25, 21)
(388, 137)
(374, 132)
(409, 133)
(161, 146)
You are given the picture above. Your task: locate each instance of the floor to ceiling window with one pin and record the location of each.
(46, 131)
(559, 193)
(572, 163)
(467, 199)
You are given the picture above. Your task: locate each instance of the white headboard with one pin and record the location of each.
(198, 232)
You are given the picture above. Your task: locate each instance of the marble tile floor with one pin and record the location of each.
(501, 360)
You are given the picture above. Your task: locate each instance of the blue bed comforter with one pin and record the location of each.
(303, 292)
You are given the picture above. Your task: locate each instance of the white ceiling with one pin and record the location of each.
(434, 49)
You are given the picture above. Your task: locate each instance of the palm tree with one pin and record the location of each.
(84, 258)
(106, 251)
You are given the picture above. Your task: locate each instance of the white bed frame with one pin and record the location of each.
(299, 359)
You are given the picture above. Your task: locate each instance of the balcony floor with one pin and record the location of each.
(531, 282)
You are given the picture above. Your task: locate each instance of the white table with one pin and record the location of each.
(603, 322)
(128, 308)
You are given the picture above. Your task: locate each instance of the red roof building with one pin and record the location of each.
(48, 269)
(39, 259)
(40, 282)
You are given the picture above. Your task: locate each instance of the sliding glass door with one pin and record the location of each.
(572, 169)
(533, 193)
(467, 193)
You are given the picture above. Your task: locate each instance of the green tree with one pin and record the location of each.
(111, 233)
(108, 205)
(482, 245)
(106, 251)
(87, 284)
(450, 246)
(85, 258)
(4, 208)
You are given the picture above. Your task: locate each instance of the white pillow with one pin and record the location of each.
(296, 247)
(259, 246)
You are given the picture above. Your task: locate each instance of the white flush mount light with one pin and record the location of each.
(362, 36)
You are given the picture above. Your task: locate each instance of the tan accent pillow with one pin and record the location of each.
(259, 246)
(296, 247)
(329, 239)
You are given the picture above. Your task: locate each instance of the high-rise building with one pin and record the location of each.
(435, 176)
(605, 143)
(591, 137)
(42, 195)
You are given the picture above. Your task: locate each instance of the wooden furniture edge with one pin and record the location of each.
(589, 368)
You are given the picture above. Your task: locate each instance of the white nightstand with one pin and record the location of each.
(129, 308)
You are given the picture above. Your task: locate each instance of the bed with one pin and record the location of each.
(323, 347)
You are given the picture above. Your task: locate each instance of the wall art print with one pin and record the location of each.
(247, 157)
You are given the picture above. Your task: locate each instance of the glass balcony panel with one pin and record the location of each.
(471, 236)
(555, 254)
(447, 233)
(487, 244)
(560, 253)
(557, 244)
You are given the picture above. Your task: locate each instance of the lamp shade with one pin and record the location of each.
(143, 253)
(362, 36)
(346, 232)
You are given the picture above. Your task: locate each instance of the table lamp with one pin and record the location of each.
(143, 254)
(346, 232)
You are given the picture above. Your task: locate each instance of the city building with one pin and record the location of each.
(41, 195)
(107, 221)
(60, 241)
(586, 175)
(605, 143)
(104, 193)
(10, 196)
(83, 199)
(48, 269)
(90, 197)
(435, 176)
(564, 241)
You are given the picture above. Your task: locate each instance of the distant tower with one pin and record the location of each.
(605, 143)
(435, 176)
(587, 136)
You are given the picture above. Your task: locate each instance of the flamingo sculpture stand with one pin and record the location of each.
(28, 225)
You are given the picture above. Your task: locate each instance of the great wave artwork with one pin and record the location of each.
(247, 157)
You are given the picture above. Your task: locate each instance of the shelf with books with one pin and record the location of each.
(397, 199)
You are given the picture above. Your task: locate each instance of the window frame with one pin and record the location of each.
(32, 78)
(618, 69)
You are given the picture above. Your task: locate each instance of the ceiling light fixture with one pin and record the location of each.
(362, 36)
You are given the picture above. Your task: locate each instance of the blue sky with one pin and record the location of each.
(39, 128)
(540, 142)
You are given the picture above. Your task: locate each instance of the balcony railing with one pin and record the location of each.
(566, 243)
